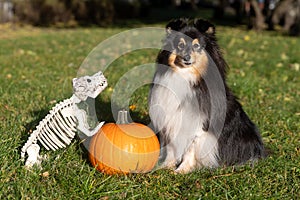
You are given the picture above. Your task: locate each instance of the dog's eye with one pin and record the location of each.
(196, 46)
(181, 45)
(88, 80)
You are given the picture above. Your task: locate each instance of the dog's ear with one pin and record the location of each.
(176, 25)
(204, 26)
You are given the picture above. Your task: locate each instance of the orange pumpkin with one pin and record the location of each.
(124, 147)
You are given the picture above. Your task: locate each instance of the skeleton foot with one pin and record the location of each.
(33, 156)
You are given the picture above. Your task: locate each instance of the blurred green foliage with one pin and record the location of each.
(69, 13)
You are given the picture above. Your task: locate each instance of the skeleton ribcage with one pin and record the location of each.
(57, 129)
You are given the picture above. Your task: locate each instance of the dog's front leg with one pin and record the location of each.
(167, 157)
(188, 160)
(203, 152)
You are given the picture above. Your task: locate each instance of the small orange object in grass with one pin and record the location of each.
(122, 147)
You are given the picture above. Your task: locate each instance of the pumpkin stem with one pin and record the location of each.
(122, 117)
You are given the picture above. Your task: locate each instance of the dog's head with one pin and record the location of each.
(187, 43)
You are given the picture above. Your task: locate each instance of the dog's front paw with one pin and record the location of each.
(168, 165)
(183, 169)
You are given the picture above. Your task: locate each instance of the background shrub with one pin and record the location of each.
(42, 12)
(70, 12)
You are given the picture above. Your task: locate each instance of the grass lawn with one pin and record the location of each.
(36, 69)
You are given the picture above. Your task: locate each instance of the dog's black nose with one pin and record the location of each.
(187, 58)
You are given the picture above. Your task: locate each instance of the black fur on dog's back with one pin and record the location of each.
(239, 140)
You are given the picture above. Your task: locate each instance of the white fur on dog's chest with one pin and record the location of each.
(174, 108)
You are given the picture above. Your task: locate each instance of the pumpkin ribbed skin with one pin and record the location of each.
(124, 148)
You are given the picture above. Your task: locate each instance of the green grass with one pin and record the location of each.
(37, 66)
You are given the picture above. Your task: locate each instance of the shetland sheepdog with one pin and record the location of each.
(199, 121)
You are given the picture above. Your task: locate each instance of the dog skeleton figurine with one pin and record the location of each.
(58, 128)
